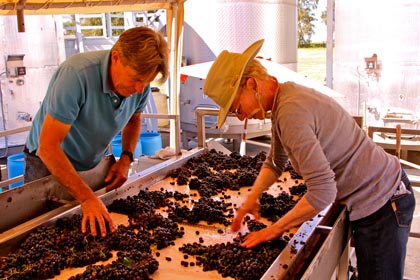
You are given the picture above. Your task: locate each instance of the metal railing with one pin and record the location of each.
(176, 118)
(177, 127)
(6, 133)
(201, 112)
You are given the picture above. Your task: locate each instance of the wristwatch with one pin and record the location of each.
(129, 154)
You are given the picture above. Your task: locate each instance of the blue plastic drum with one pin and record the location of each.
(117, 147)
(151, 142)
(15, 167)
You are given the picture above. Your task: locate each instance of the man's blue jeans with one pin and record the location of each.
(381, 238)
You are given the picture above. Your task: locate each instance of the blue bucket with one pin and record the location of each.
(15, 167)
(151, 142)
(117, 147)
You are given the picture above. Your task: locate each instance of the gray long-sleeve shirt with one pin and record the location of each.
(337, 160)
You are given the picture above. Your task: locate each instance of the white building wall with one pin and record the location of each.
(42, 45)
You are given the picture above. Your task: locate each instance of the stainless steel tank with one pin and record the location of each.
(213, 26)
(389, 30)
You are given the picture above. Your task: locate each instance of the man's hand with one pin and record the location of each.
(94, 211)
(118, 174)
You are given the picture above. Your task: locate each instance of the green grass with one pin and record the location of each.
(312, 63)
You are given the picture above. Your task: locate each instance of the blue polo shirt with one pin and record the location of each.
(79, 94)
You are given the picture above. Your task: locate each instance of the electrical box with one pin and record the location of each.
(373, 67)
(14, 65)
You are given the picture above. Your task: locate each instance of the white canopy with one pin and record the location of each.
(282, 74)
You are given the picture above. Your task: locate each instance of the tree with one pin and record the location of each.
(306, 17)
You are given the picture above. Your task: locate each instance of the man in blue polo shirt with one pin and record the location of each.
(91, 97)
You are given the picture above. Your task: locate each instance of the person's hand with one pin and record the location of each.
(118, 174)
(264, 235)
(94, 211)
(250, 206)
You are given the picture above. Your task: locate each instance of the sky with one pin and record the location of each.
(320, 28)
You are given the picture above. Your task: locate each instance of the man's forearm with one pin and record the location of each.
(131, 133)
(63, 171)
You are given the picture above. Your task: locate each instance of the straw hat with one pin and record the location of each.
(224, 76)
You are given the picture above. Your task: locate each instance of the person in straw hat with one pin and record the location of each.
(335, 157)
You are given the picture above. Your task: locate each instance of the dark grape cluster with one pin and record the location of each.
(275, 207)
(140, 209)
(144, 202)
(209, 171)
(20, 265)
(127, 239)
(50, 249)
(246, 177)
(232, 260)
(178, 196)
(298, 190)
(163, 230)
(254, 225)
(133, 265)
(214, 184)
(181, 174)
(202, 171)
(205, 209)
